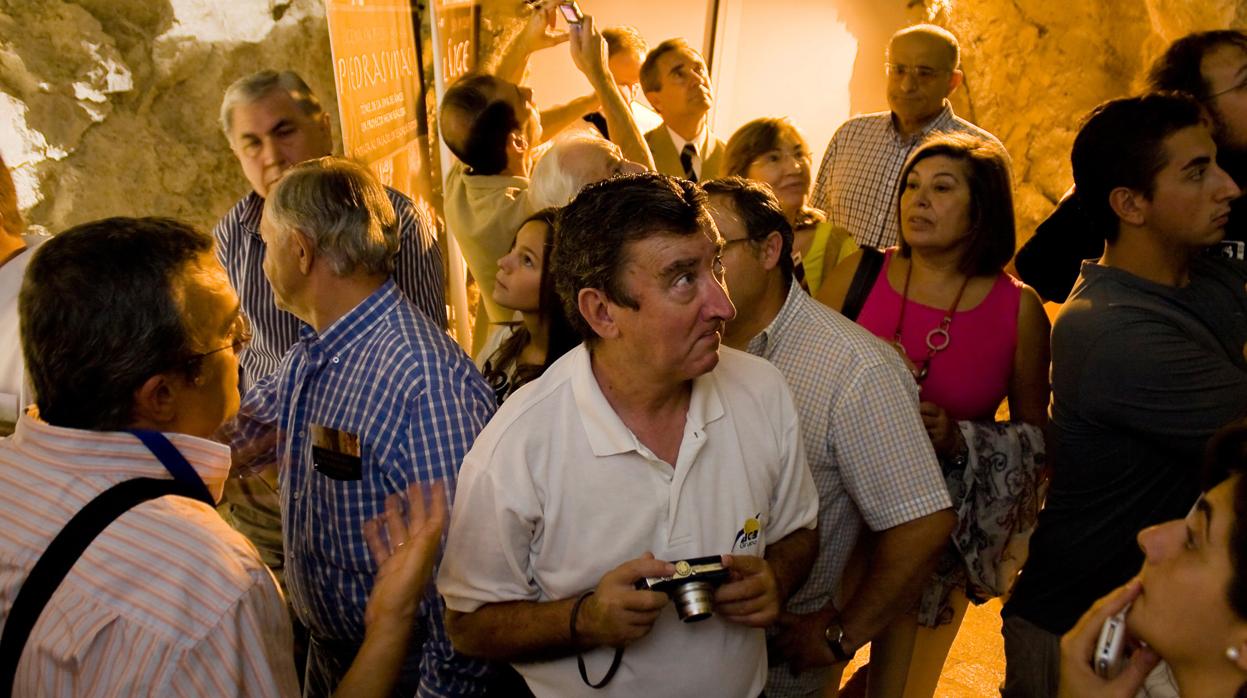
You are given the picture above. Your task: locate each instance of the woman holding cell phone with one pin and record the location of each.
(1188, 606)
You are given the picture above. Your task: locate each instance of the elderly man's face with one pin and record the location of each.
(677, 281)
(920, 77)
(1224, 69)
(272, 134)
(281, 264)
(597, 160)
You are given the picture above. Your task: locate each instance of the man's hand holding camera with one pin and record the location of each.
(752, 596)
(618, 613)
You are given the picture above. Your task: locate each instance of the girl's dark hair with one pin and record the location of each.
(562, 336)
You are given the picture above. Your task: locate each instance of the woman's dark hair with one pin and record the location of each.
(992, 231)
(562, 336)
(1226, 456)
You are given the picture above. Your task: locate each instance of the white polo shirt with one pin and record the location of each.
(557, 491)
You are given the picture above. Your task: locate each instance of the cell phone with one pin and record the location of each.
(571, 12)
(1110, 649)
(1230, 249)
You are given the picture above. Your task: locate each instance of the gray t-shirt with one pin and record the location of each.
(1142, 375)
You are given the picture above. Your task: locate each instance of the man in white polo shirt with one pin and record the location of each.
(644, 446)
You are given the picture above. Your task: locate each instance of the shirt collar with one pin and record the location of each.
(249, 216)
(942, 122)
(765, 342)
(700, 141)
(119, 452)
(606, 432)
(352, 326)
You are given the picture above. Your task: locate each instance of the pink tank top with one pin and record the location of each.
(970, 377)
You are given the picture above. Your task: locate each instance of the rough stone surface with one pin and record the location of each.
(109, 107)
(1035, 68)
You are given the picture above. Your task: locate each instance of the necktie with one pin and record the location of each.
(686, 161)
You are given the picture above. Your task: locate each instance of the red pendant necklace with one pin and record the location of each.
(938, 338)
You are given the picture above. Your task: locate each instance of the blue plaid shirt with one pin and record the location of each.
(417, 270)
(387, 374)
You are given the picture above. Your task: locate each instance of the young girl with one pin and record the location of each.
(542, 335)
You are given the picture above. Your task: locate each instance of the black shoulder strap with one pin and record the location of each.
(61, 555)
(863, 280)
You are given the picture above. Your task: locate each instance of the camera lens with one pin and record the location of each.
(694, 601)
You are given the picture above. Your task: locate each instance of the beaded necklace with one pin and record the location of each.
(938, 338)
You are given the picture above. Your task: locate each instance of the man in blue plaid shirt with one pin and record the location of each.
(373, 397)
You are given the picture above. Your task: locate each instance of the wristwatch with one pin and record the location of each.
(835, 640)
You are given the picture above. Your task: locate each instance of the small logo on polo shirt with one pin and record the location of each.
(749, 534)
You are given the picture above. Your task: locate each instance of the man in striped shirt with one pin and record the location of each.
(131, 324)
(273, 122)
(373, 398)
(857, 181)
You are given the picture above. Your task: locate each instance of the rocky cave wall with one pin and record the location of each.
(109, 107)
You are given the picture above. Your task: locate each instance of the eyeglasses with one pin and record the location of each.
(241, 332)
(728, 243)
(921, 73)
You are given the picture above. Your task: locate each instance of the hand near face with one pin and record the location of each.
(940, 427)
(618, 614)
(751, 596)
(1078, 679)
(405, 549)
(802, 640)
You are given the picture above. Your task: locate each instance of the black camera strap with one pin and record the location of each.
(580, 660)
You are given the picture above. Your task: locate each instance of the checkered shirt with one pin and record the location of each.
(386, 373)
(857, 180)
(871, 459)
(239, 248)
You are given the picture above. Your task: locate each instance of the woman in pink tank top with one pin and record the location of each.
(972, 335)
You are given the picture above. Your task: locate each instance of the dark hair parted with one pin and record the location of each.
(651, 81)
(101, 312)
(755, 139)
(487, 120)
(761, 213)
(594, 233)
(562, 338)
(1179, 68)
(1226, 456)
(993, 233)
(1122, 144)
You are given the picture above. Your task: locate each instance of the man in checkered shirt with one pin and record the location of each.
(857, 181)
(870, 456)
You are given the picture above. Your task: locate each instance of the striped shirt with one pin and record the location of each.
(858, 178)
(240, 250)
(387, 375)
(167, 601)
(864, 441)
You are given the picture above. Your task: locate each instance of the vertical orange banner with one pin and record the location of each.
(380, 102)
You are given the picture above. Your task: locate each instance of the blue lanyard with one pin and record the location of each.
(173, 461)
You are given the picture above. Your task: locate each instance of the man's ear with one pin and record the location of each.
(517, 142)
(304, 249)
(155, 401)
(770, 250)
(597, 311)
(954, 81)
(1131, 206)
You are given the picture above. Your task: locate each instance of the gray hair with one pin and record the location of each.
(256, 86)
(342, 207)
(554, 181)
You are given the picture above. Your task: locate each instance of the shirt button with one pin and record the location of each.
(335, 359)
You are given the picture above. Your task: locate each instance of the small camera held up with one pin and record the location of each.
(691, 587)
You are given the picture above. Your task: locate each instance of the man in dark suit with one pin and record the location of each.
(677, 84)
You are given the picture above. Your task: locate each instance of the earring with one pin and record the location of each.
(1232, 654)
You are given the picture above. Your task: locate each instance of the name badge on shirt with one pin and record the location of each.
(336, 453)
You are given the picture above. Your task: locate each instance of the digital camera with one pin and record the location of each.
(691, 587)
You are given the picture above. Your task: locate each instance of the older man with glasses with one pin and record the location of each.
(857, 181)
